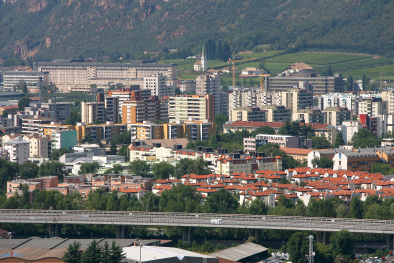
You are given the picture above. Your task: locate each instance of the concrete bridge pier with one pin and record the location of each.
(256, 233)
(120, 232)
(323, 237)
(390, 241)
(54, 230)
(188, 234)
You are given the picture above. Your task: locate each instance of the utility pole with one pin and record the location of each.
(310, 256)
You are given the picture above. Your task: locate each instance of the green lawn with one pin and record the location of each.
(315, 58)
(345, 63)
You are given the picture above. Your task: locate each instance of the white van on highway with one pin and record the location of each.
(217, 221)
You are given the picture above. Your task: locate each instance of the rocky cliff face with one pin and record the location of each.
(66, 28)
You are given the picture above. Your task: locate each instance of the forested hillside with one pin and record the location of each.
(93, 28)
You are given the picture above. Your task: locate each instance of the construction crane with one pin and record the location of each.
(262, 75)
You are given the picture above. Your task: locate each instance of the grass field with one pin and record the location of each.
(345, 63)
(315, 58)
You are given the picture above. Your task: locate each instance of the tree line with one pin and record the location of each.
(94, 253)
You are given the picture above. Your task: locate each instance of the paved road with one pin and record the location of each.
(196, 220)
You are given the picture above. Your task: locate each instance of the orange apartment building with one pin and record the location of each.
(138, 111)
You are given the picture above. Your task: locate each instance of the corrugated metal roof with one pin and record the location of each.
(240, 252)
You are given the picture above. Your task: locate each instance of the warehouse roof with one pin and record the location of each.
(239, 252)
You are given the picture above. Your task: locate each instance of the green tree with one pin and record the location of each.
(162, 170)
(116, 254)
(221, 201)
(181, 198)
(365, 139)
(28, 170)
(53, 168)
(190, 166)
(73, 253)
(356, 208)
(24, 102)
(138, 167)
(89, 168)
(324, 162)
(329, 71)
(220, 119)
(297, 246)
(113, 149)
(263, 130)
(320, 143)
(258, 207)
(87, 138)
(123, 151)
(325, 251)
(381, 168)
(339, 140)
(92, 254)
(5, 114)
(22, 86)
(190, 145)
(342, 243)
(117, 168)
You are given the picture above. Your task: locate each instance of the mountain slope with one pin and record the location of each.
(93, 28)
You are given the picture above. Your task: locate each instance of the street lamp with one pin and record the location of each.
(139, 243)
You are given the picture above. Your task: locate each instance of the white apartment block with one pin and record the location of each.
(372, 107)
(210, 85)
(32, 79)
(296, 99)
(388, 97)
(38, 145)
(68, 75)
(349, 128)
(92, 112)
(246, 97)
(18, 150)
(157, 84)
(191, 107)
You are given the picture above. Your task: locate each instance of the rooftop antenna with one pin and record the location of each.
(310, 255)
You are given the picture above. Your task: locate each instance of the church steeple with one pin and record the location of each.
(203, 60)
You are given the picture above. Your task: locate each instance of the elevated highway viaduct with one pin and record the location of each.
(189, 221)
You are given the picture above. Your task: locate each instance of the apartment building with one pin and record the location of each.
(18, 150)
(388, 97)
(337, 115)
(99, 132)
(210, 85)
(309, 116)
(32, 79)
(137, 111)
(372, 107)
(134, 93)
(358, 160)
(276, 113)
(111, 105)
(296, 99)
(349, 128)
(321, 84)
(245, 97)
(38, 145)
(187, 85)
(191, 107)
(35, 125)
(58, 111)
(248, 114)
(68, 74)
(158, 86)
(64, 139)
(191, 130)
(92, 112)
